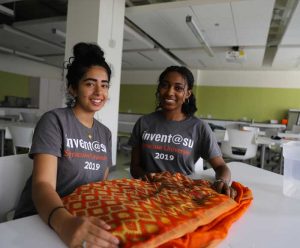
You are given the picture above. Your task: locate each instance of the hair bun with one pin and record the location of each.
(88, 52)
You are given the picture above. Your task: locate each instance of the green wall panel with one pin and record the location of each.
(233, 103)
(260, 104)
(13, 85)
(138, 99)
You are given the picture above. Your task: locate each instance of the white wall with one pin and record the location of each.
(144, 77)
(267, 79)
(272, 79)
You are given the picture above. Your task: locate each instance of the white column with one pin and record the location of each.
(102, 22)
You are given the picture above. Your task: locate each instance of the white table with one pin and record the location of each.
(268, 125)
(271, 221)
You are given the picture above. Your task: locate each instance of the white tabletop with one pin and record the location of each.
(272, 220)
(268, 125)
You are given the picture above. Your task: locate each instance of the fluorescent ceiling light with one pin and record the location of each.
(138, 36)
(198, 34)
(21, 54)
(6, 50)
(6, 11)
(29, 56)
(29, 36)
(59, 33)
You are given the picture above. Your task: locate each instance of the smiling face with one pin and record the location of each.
(92, 91)
(173, 92)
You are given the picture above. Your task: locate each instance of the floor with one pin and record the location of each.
(121, 170)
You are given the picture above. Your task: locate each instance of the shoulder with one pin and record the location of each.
(197, 121)
(55, 116)
(200, 124)
(101, 127)
(151, 116)
(57, 112)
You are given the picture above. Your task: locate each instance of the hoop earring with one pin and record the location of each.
(187, 101)
(73, 100)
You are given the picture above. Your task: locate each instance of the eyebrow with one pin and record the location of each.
(95, 80)
(176, 83)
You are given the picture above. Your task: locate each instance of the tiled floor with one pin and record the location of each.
(122, 168)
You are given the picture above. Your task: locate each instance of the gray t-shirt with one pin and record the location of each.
(173, 146)
(83, 154)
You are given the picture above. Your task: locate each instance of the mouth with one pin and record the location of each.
(169, 101)
(96, 101)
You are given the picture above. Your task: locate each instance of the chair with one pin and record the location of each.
(29, 117)
(21, 136)
(14, 171)
(199, 165)
(296, 129)
(240, 145)
(255, 129)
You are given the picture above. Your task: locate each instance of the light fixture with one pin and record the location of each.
(138, 36)
(29, 56)
(6, 11)
(21, 54)
(6, 50)
(17, 32)
(198, 34)
(59, 33)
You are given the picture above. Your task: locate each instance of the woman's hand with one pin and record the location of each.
(222, 187)
(83, 232)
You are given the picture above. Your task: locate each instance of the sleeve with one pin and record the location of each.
(135, 138)
(208, 143)
(47, 137)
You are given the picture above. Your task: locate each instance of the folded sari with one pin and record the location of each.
(168, 210)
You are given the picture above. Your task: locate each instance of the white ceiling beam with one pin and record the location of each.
(6, 11)
(176, 4)
(138, 36)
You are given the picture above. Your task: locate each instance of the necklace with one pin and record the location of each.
(90, 133)
(86, 124)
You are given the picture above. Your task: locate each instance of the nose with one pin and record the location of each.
(170, 90)
(98, 89)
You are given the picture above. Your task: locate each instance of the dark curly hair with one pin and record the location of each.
(85, 56)
(189, 107)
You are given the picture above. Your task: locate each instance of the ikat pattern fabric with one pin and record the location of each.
(167, 210)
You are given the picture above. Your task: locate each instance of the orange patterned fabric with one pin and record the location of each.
(169, 210)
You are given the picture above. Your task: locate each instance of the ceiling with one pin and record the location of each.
(264, 34)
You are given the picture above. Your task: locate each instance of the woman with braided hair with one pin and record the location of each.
(172, 138)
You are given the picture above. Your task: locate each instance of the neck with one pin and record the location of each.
(85, 118)
(174, 115)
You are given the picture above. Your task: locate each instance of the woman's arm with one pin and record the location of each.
(223, 176)
(72, 230)
(136, 169)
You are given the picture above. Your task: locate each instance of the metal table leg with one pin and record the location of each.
(262, 156)
(2, 136)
